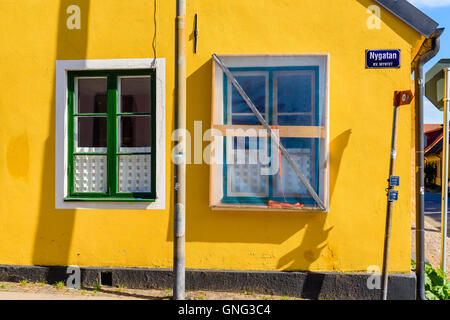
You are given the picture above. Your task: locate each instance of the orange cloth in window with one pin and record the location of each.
(274, 204)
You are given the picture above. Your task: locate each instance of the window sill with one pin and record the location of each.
(81, 199)
(244, 207)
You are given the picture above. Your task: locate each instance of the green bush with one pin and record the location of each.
(437, 286)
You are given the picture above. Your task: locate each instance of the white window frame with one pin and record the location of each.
(61, 129)
(272, 60)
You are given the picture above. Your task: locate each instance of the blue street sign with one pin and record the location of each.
(393, 195)
(380, 59)
(394, 181)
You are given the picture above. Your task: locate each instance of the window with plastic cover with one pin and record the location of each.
(253, 168)
(111, 140)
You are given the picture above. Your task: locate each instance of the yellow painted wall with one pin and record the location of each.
(348, 238)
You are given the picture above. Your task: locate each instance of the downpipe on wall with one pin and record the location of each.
(420, 186)
(180, 165)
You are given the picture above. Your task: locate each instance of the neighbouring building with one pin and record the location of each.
(87, 109)
(433, 153)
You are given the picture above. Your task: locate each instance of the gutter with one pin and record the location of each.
(429, 50)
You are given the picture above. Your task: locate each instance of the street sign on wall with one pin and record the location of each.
(382, 59)
(435, 83)
(394, 181)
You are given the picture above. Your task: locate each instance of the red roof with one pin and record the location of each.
(431, 127)
(433, 138)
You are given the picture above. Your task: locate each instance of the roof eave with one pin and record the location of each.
(412, 16)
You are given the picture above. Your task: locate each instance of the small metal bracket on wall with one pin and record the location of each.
(195, 33)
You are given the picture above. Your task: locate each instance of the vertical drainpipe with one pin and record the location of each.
(420, 187)
(180, 165)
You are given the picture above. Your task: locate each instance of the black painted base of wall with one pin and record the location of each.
(309, 285)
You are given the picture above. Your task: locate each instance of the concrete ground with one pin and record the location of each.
(433, 231)
(433, 213)
(41, 291)
(432, 246)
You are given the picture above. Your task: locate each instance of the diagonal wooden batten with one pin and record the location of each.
(274, 137)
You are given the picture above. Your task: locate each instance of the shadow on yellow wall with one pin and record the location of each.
(206, 226)
(55, 227)
(315, 236)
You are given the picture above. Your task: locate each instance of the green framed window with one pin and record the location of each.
(111, 135)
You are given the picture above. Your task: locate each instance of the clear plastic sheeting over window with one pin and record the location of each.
(249, 168)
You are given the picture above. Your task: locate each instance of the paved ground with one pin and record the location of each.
(42, 291)
(433, 211)
(432, 230)
(432, 202)
(432, 246)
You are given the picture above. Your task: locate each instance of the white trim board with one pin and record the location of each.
(62, 66)
(272, 60)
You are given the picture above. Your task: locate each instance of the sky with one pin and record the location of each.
(438, 10)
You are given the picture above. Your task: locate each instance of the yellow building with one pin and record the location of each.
(433, 154)
(87, 111)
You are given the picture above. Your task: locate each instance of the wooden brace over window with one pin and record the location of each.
(271, 117)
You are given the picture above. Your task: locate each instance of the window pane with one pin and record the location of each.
(92, 96)
(134, 173)
(249, 143)
(295, 120)
(246, 179)
(92, 132)
(286, 182)
(294, 92)
(90, 174)
(245, 172)
(255, 87)
(135, 95)
(135, 131)
(246, 120)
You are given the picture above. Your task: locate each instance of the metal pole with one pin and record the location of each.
(180, 166)
(445, 175)
(387, 239)
(435, 44)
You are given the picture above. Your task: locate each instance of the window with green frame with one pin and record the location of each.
(111, 135)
